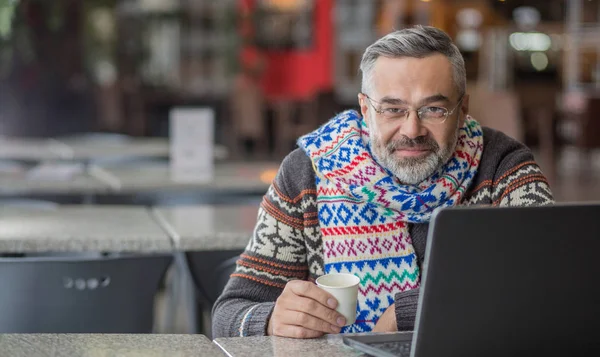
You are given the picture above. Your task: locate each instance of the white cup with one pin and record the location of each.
(343, 287)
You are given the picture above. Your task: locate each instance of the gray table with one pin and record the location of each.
(81, 228)
(86, 150)
(89, 150)
(208, 227)
(15, 183)
(328, 345)
(67, 345)
(141, 178)
(243, 178)
(30, 149)
(33, 149)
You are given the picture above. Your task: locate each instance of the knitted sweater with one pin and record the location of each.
(287, 242)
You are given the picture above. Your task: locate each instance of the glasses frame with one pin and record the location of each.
(418, 111)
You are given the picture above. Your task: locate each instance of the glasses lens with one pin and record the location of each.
(433, 113)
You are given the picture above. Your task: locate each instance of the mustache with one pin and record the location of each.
(420, 142)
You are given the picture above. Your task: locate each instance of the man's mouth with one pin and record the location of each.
(412, 151)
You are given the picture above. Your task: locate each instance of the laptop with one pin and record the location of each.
(505, 281)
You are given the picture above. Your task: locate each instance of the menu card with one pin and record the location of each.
(192, 144)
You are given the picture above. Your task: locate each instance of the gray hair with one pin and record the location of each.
(416, 42)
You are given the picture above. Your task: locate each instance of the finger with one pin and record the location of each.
(303, 319)
(310, 290)
(314, 308)
(295, 331)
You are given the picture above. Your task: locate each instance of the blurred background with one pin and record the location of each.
(112, 102)
(274, 69)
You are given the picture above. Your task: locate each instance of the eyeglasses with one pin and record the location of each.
(429, 114)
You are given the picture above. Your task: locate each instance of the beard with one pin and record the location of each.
(413, 170)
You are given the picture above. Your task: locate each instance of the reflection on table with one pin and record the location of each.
(328, 345)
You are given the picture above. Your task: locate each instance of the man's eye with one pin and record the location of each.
(437, 111)
(394, 111)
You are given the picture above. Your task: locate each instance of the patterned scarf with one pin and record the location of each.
(364, 211)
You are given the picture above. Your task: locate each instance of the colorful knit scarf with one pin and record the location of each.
(364, 211)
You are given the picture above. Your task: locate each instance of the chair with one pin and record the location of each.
(80, 294)
(223, 272)
(210, 271)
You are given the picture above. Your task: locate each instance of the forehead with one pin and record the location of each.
(412, 78)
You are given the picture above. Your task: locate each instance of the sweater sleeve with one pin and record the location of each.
(275, 255)
(519, 181)
(406, 309)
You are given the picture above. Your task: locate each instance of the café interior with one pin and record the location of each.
(138, 138)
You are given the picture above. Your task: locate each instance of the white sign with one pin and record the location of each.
(192, 144)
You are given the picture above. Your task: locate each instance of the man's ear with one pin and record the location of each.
(364, 106)
(464, 107)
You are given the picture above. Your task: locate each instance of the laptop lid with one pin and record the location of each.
(511, 282)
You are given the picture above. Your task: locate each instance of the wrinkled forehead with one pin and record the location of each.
(412, 79)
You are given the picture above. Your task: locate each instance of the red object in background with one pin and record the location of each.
(300, 74)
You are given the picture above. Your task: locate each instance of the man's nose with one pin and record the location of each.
(412, 127)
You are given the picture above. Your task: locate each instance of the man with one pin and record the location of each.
(358, 194)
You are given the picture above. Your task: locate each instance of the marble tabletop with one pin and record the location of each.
(243, 178)
(328, 345)
(208, 227)
(91, 345)
(82, 228)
